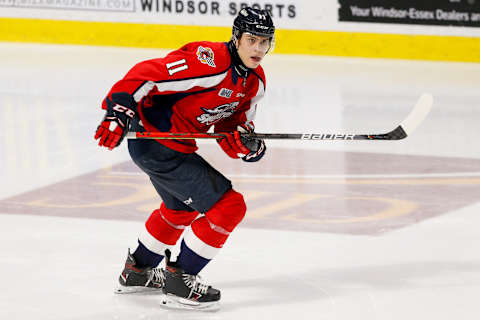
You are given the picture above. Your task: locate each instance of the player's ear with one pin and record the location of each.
(235, 41)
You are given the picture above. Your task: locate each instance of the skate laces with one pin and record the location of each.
(156, 276)
(194, 283)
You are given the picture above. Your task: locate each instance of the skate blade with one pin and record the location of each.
(173, 302)
(120, 289)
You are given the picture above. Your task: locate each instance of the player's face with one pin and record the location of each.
(252, 49)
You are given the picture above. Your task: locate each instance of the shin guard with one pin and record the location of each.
(209, 232)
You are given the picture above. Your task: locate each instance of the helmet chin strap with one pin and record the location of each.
(240, 68)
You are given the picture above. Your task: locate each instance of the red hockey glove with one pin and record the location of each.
(120, 111)
(235, 146)
(232, 145)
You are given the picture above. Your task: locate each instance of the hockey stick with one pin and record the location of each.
(406, 127)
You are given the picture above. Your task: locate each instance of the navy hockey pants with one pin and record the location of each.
(184, 181)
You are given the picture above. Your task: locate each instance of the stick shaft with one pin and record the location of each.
(394, 135)
(411, 122)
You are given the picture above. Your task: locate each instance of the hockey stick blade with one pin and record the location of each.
(412, 121)
(406, 127)
(418, 114)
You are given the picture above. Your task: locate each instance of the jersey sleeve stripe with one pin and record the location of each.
(178, 85)
(250, 113)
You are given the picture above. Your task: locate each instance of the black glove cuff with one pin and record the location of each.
(258, 154)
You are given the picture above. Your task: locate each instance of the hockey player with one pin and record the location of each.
(200, 85)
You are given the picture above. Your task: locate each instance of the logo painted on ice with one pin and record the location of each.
(205, 55)
(212, 116)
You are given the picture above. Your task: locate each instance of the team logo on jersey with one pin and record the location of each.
(216, 114)
(226, 93)
(205, 55)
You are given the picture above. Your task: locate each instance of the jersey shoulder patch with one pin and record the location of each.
(193, 60)
(212, 54)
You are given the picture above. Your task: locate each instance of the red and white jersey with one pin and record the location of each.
(192, 89)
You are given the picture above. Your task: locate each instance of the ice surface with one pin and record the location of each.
(335, 230)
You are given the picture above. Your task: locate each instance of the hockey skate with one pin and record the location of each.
(134, 279)
(185, 291)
